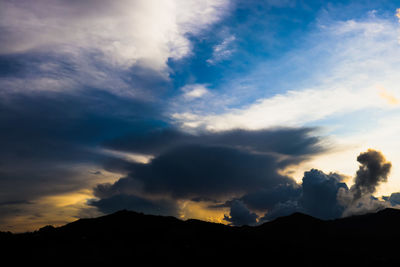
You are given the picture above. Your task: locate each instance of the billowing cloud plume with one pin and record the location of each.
(374, 169)
(316, 196)
(319, 196)
(327, 196)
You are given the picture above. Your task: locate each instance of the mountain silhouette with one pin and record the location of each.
(134, 239)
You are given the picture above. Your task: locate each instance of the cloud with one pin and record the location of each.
(294, 108)
(121, 47)
(319, 194)
(316, 196)
(373, 170)
(222, 51)
(286, 141)
(123, 33)
(240, 214)
(192, 91)
(205, 171)
(394, 199)
(52, 71)
(365, 204)
(268, 198)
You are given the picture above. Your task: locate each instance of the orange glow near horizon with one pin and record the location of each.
(202, 211)
(388, 96)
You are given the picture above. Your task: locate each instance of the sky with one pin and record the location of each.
(229, 111)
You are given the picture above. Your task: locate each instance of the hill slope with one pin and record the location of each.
(143, 240)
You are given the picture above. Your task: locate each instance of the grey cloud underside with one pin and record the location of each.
(44, 135)
(203, 171)
(287, 141)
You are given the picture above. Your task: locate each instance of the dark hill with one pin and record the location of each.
(146, 240)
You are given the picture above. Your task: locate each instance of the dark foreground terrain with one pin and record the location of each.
(128, 238)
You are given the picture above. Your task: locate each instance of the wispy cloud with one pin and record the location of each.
(222, 50)
(359, 55)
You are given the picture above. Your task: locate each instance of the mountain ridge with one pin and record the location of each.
(153, 239)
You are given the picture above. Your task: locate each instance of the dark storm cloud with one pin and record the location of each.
(240, 214)
(267, 198)
(316, 196)
(205, 171)
(319, 197)
(54, 124)
(374, 169)
(212, 166)
(43, 134)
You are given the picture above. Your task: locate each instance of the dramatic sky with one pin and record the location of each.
(231, 111)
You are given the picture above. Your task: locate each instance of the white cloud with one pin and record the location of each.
(126, 32)
(192, 91)
(294, 108)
